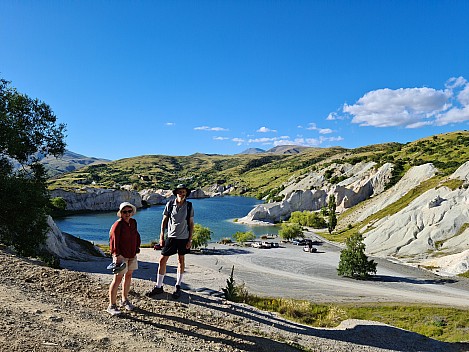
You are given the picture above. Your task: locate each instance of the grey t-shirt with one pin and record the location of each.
(177, 224)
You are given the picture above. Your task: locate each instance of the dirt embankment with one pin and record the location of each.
(44, 309)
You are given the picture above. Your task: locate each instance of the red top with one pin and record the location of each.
(124, 238)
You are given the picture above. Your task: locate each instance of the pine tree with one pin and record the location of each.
(332, 217)
(230, 290)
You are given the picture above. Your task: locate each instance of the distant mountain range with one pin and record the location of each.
(69, 162)
(281, 149)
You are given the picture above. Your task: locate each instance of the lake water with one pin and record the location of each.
(215, 213)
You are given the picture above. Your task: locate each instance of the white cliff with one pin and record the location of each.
(363, 181)
(97, 199)
(63, 246)
(431, 228)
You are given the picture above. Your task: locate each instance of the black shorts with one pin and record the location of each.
(174, 245)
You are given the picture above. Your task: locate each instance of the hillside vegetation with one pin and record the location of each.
(264, 173)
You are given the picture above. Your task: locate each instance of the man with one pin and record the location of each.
(178, 218)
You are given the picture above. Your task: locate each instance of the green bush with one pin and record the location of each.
(290, 231)
(244, 236)
(353, 261)
(201, 236)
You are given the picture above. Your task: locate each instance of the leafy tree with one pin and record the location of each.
(201, 236)
(308, 218)
(244, 236)
(332, 217)
(58, 203)
(290, 231)
(28, 132)
(353, 261)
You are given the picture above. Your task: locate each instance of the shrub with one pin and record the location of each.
(353, 261)
(290, 231)
(201, 236)
(244, 236)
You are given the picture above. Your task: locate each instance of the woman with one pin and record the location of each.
(124, 243)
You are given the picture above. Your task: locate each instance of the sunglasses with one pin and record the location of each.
(127, 211)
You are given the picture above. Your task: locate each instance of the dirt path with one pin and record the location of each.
(61, 310)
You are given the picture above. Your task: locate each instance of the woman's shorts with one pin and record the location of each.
(131, 264)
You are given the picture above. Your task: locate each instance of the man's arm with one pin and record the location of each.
(164, 225)
(191, 231)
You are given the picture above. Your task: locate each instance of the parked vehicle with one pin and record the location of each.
(309, 249)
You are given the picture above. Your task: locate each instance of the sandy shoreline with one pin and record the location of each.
(291, 273)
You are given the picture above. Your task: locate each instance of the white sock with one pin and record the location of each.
(179, 278)
(159, 280)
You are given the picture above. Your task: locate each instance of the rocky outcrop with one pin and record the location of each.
(161, 196)
(97, 199)
(362, 181)
(155, 196)
(279, 211)
(66, 246)
(198, 194)
(414, 177)
(435, 224)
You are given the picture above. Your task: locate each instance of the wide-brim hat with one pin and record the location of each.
(126, 204)
(182, 186)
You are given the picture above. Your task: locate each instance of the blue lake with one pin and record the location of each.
(217, 214)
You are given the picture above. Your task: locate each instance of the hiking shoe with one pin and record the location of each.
(127, 305)
(113, 310)
(177, 293)
(156, 291)
(116, 268)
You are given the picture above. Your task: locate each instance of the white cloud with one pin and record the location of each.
(312, 126)
(207, 128)
(262, 140)
(412, 107)
(265, 130)
(400, 107)
(220, 138)
(239, 141)
(335, 116)
(169, 124)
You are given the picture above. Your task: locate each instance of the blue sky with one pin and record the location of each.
(132, 78)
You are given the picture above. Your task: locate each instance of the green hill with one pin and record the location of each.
(263, 173)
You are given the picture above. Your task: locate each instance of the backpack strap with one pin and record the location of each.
(189, 211)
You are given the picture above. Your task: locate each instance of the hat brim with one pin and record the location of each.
(134, 208)
(188, 191)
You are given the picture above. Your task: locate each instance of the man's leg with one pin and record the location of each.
(161, 270)
(180, 272)
(181, 268)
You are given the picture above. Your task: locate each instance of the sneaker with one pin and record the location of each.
(116, 268)
(127, 305)
(177, 292)
(156, 291)
(113, 310)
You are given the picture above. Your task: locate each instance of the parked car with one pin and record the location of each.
(309, 249)
(299, 242)
(157, 247)
(256, 244)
